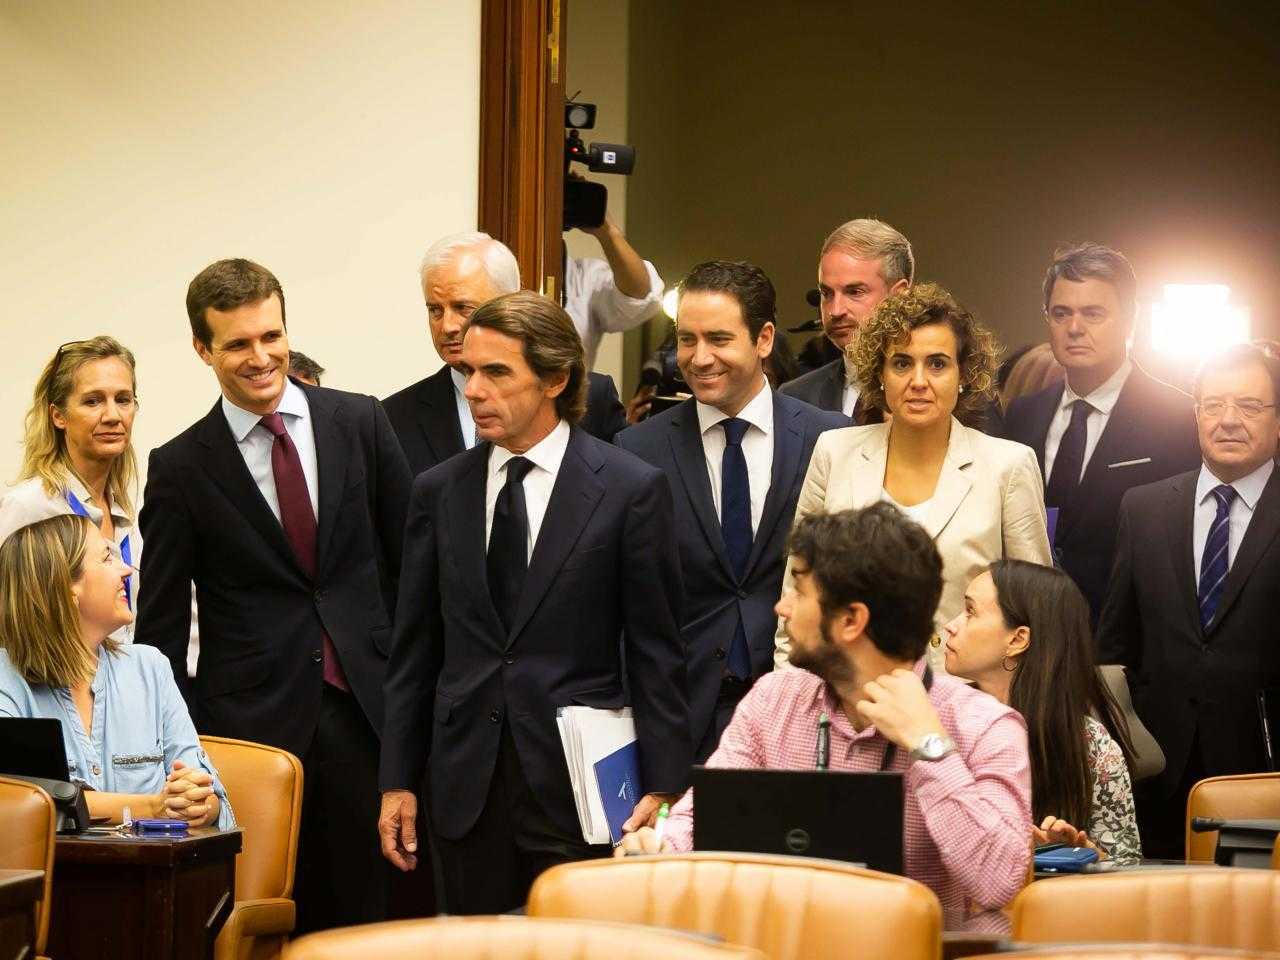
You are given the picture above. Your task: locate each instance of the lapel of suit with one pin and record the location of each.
(333, 450)
(465, 510)
(1263, 528)
(788, 444)
(832, 397)
(438, 415)
(691, 463)
(953, 484)
(1041, 415)
(1124, 424)
(574, 497)
(1180, 513)
(225, 465)
(866, 481)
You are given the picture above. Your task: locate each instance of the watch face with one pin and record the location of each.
(931, 747)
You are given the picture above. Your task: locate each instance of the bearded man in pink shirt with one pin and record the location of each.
(860, 615)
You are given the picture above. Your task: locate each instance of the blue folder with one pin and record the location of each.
(618, 778)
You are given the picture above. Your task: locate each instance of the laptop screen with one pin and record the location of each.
(32, 748)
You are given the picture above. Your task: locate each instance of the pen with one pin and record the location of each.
(824, 742)
(660, 827)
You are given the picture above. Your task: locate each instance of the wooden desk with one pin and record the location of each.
(19, 892)
(151, 899)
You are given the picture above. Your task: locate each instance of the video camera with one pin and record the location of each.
(585, 202)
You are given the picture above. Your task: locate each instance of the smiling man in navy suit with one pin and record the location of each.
(536, 575)
(736, 456)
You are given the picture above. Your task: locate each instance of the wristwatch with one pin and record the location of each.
(933, 746)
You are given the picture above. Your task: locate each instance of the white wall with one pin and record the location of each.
(140, 141)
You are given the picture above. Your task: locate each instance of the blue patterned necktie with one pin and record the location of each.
(735, 526)
(1213, 563)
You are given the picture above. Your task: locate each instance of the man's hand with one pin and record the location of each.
(645, 813)
(644, 840)
(398, 828)
(188, 795)
(1053, 830)
(638, 406)
(898, 705)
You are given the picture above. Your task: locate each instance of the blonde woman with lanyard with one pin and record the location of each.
(77, 449)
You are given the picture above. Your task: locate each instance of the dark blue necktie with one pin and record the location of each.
(507, 558)
(1068, 463)
(1213, 562)
(735, 527)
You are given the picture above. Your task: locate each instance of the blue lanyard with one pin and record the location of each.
(126, 551)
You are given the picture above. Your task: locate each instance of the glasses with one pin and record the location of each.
(1249, 409)
(1088, 319)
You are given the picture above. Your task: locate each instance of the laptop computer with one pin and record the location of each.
(836, 815)
(31, 747)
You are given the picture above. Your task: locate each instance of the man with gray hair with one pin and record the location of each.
(459, 273)
(861, 263)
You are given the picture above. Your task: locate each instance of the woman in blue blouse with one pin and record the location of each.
(128, 736)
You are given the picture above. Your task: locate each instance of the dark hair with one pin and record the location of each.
(226, 285)
(878, 557)
(1092, 261)
(1056, 686)
(781, 364)
(551, 343)
(300, 365)
(1242, 355)
(743, 281)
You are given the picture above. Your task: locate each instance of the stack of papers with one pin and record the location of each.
(604, 768)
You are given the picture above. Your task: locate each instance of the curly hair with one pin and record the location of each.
(891, 325)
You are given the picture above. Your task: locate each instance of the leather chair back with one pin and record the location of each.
(1148, 758)
(30, 825)
(1247, 796)
(788, 907)
(509, 938)
(1196, 906)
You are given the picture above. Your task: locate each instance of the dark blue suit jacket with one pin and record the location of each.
(715, 601)
(600, 603)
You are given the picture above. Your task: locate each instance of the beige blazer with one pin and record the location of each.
(989, 504)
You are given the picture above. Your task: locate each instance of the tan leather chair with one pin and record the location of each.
(1247, 796)
(1196, 906)
(1127, 951)
(788, 907)
(264, 786)
(509, 938)
(30, 824)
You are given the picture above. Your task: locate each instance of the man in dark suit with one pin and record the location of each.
(537, 574)
(459, 273)
(285, 505)
(1110, 427)
(1191, 608)
(735, 431)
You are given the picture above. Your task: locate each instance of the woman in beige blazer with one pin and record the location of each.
(924, 359)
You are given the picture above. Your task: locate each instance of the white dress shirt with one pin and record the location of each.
(255, 441)
(1103, 401)
(546, 456)
(757, 448)
(851, 392)
(465, 420)
(1248, 490)
(596, 305)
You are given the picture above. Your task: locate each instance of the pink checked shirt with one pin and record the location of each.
(966, 817)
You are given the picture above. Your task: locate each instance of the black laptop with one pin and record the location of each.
(836, 815)
(32, 748)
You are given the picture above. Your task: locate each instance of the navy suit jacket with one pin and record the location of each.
(600, 604)
(715, 600)
(1150, 436)
(424, 416)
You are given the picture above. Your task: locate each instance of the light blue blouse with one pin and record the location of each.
(140, 724)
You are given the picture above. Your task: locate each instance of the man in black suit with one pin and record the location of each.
(537, 574)
(861, 263)
(459, 273)
(1191, 608)
(285, 505)
(732, 548)
(1110, 427)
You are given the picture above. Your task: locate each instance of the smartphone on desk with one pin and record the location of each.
(1064, 859)
(159, 828)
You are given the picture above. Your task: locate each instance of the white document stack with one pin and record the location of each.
(589, 735)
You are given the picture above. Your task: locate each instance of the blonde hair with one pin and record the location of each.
(39, 620)
(44, 446)
(867, 239)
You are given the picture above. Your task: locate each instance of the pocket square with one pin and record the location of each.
(1128, 463)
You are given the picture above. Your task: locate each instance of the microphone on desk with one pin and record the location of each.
(824, 743)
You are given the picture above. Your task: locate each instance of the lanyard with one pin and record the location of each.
(126, 550)
(891, 750)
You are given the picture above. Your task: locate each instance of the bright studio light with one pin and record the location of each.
(669, 301)
(1196, 319)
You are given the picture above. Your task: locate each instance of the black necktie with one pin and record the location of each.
(1069, 462)
(735, 526)
(508, 555)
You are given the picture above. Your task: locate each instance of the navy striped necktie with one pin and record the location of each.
(1214, 563)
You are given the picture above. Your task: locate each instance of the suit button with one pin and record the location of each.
(495, 716)
(319, 595)
(742, 594)
(719, 654)
(508, 660)
(317, 656)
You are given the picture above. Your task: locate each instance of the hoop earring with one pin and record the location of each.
(1005, 666)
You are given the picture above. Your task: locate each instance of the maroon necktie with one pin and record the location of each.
(299, 524)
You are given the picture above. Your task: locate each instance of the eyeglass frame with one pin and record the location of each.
(1245, 413)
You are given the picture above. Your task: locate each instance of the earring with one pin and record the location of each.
(962, 388)
(1007, 668)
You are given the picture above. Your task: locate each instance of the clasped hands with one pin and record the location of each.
(188, 795)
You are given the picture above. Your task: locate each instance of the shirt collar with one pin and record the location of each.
(293, 403)
(546, 454)
(459, 381)
(1248, 488)
(82, 493)
(831, 705)
(1103, 398)
(758, 412)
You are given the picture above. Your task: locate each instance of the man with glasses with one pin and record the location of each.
(1110, 427)
(1193, 593)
